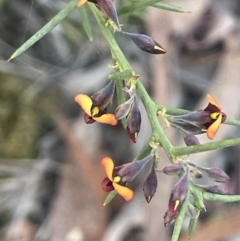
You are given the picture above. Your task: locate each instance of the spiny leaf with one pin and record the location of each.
(46, 29)
(136, 6)
(85, 21)
(109, 197)
(169, 7)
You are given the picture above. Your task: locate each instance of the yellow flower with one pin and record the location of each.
(116, 181)
(217, 116)
(94, 112)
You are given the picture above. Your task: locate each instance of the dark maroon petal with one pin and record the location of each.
(88, 119)
(107, 185)
(212, 108)
(224, 117)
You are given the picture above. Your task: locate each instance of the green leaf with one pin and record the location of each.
(136, 6)
(169, 7)
(46, 29)
(85, 22)
(109, 197)
(193, 223)
(180, 218)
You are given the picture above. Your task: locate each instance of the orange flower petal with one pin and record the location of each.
(80, 3)
(213, 102)
(106, 119)
(212, 129)
(125, 192)
(85, 102)
(108, 166)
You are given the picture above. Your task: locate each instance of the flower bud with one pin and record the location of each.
(104, 96)
(173, 169)
(123, 110)
(108, 7)
(180, 190)
(150, 185)
(214, 189)
(215, 174)
(133, 121)
(177, 199)
(146, 43)
(191, 140)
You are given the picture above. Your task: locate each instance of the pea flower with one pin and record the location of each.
(96, 105)
(177, 199)
(146, 43)
(217, 117)
(118, 177)
(200, 121)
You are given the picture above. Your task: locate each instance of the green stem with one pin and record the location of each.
(179, 151)
(220, 198)
(158, 134)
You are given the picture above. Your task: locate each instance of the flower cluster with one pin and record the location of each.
(182, 188)
(95, 108)
(185, 195)
(118, 178)
(144, 42)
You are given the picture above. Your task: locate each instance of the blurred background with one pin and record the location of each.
(50, 160)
